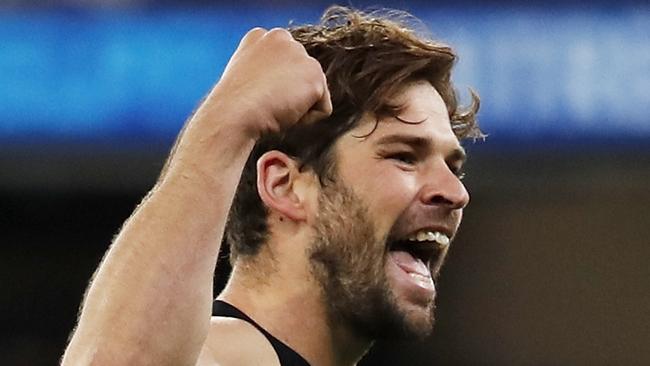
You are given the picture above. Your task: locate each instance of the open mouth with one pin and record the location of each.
(427, 247)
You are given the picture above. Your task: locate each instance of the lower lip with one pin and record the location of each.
(413, 289)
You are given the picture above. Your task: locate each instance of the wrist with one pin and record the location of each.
(243, 113)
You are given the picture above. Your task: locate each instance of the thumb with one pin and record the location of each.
(321, 109)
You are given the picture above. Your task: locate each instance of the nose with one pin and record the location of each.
(444, 188)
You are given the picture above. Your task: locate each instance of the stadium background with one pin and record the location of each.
(551, 265)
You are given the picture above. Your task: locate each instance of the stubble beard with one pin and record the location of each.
(348, 261)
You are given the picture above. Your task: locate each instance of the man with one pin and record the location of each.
(346, 138)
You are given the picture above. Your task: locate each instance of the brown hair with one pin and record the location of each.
(366, 57)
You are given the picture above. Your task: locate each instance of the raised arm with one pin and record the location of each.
(150, 299)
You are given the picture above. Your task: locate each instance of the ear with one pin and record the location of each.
(276, 178)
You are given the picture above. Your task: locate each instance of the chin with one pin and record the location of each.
(417, 320)
(413, 309)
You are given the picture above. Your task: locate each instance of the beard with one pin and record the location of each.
(348, 261)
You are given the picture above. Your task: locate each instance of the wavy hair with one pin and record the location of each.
(366, 57)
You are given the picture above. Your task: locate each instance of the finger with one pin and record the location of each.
(324, 104)
(252, 36)
(322, 108)
(312, 116)
(280, 34)
(315, 115)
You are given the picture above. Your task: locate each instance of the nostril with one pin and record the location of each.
(446, 200)
(440, 200)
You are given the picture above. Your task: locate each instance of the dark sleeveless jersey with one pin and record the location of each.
(286, 355)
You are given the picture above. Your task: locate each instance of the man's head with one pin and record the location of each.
(385, 164)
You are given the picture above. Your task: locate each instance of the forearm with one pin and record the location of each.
(150, 300)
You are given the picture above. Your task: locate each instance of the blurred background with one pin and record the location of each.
(551, 265)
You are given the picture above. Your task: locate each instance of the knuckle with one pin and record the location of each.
(252, 36)
(257, 30)
(315, 69)
(317, 89)
(279, 33)
(315, 64)
(255, 33)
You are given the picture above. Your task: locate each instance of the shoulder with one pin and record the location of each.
(233, 342)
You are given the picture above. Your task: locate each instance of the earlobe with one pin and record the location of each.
(276, 174)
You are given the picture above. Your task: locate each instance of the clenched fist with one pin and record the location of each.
(169, 246)
(270, 83)
(273, 82)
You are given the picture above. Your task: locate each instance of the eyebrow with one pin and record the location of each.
(422, 144)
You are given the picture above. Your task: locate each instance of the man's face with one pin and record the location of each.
(384, 225)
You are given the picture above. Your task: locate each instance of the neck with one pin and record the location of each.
(291, 306)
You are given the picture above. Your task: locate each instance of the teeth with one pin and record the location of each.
(422, 236)
(426, 235)
(442, 239)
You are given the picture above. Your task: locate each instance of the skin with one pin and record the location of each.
(416, 190)
(149, 301)
(280, 287)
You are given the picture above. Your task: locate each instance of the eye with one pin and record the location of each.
(459, 172)
(403, 157)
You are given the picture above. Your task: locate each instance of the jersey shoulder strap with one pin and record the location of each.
(286, 355)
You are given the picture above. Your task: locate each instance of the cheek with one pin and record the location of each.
(390, 194)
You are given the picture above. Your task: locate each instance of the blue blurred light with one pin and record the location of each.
(541, 73)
